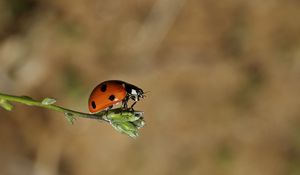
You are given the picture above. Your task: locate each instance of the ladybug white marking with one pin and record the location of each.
(133, 92)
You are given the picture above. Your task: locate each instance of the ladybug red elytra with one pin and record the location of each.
(112, 92)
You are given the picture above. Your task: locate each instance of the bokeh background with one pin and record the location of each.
(223, 76)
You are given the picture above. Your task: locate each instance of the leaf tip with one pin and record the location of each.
(6, 105)
(70, 117)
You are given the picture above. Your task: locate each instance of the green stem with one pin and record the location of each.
(31, 102)
(123, 120)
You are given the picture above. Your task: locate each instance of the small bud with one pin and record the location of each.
(48, 101)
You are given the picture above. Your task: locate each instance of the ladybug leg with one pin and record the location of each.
(107, 109)
(131, 107)
(125, 103)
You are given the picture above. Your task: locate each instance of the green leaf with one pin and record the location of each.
(127, 122)
(126, 128)
(48, 101)
(6, 105)
(139, 123)
(70, 117)
(124, 116)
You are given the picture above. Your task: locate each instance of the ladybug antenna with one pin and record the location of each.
(145, 93)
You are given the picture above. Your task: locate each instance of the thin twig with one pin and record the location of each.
(126, 121)
(31, 102)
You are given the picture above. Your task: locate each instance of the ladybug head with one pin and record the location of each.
(140, 94)
(136, 94)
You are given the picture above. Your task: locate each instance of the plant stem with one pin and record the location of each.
(125, 121)
(31, 102)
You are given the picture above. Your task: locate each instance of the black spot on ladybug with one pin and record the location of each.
(103, 87)
(93, 104)
(111, 97)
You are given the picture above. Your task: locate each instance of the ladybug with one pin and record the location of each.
(112, 92)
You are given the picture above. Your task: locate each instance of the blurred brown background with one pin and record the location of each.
(223, 76)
